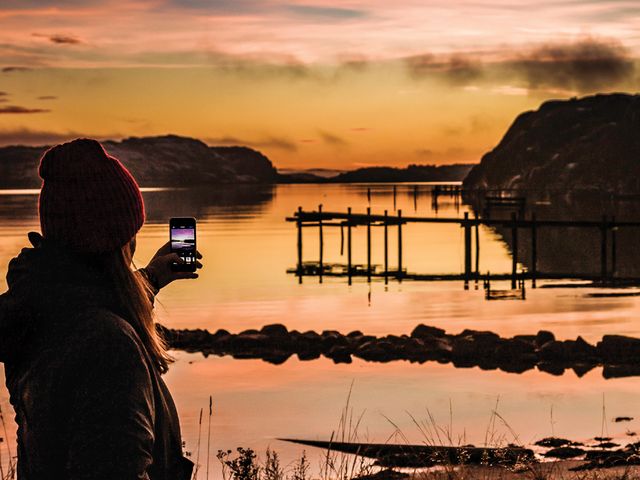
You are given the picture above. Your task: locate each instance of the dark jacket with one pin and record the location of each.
(89, 403)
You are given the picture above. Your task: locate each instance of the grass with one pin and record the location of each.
(7, 467)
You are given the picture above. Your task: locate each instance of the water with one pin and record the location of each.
(248, 246)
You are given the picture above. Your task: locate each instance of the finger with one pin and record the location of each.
(164, 249)
(198, 255)
(198, 264)
(185, 275)
(174, 257)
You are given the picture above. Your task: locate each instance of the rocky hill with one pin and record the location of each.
(592, 143)
(165, 161)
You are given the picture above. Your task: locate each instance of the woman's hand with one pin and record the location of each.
(159, 270)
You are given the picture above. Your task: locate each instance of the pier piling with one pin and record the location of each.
(534, 250)
(368, 244)
(299, 245)
(467, 250)
(386, 248)
(399, 245)
(514, 256)
(349, 244)
(321, 239)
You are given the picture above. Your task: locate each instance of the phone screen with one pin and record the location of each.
(183, 242)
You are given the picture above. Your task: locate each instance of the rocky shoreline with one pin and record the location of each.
(618, 355)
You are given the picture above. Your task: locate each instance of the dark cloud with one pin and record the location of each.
(584, 66)
(458, 68)
(11, 69)
(319, 12)
(47, 97)
(15, 109)
(25, 136)
(332, 139)
(60, 39)
(268, 142)
(3, 94)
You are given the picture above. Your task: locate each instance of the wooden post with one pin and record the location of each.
(477, 249)
(299, 245)
(415, 198)
(349, 244)
(369, 195)
(386, 248)
(341, 239)
(514, 256)
(467, 250)
(613, 247)
(603, 249)
(534, 250)
(395, 191)
(320, 232)
(399, 244)
(368, 244)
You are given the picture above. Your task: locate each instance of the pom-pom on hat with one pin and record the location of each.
(89, 201)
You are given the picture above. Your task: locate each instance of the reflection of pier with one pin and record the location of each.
(606, 228)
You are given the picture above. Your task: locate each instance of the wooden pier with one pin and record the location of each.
(518, 224)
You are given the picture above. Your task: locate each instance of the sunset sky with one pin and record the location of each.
(315, 83)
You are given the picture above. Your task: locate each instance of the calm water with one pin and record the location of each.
(248, 246)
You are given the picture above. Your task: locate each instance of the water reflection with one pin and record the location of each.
(574, 250)
(204, 203)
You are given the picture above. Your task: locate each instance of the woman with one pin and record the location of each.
(82, 355)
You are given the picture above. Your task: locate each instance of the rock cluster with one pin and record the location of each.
(619, 355)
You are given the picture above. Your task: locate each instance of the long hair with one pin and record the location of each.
(134, 295)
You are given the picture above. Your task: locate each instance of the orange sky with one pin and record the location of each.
(311, 84)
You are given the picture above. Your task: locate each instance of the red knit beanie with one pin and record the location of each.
(89, 201)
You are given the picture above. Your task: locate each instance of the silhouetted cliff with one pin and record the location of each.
(592, 143)
(166, 161)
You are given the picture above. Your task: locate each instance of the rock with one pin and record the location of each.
(377, 351)
(331, 338)
(553, 368)
(422, 331)
(579, 349)
(530, 339)
(553, 351)
(554, 442)
(339, 354)
(622, 419)
(355, 333)
(564, 452)
(248, 342)
(581, 369)
(618, 349)
(275, 330)
(544, 336)
(387, 474)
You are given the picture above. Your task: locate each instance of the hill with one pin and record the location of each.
(591, 143)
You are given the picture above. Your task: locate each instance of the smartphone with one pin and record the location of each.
(182, 234)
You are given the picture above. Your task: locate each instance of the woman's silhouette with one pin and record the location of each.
(82, 356)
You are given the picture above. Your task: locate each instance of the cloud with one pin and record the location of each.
(60, 39)
(15, 109)
(361, 129)
(11, 69)
(332, 139)
(24, 136)
(47, 97)
(3, 94)
(587, 65)
(458, 68)
(267, 142)
(319, 12)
